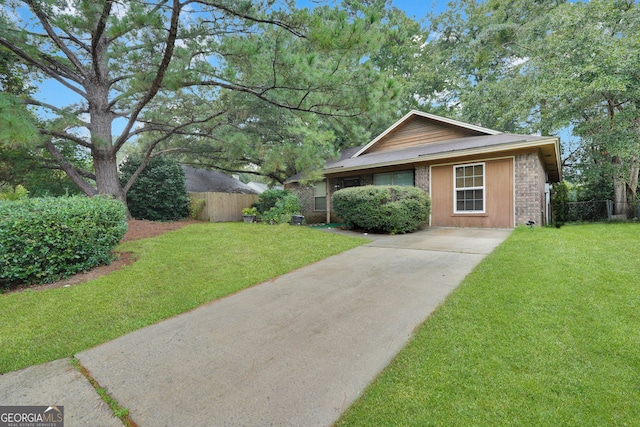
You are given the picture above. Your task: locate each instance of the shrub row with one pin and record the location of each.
(45, 239)
(390, 209)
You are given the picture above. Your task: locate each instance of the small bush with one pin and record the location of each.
(285, 206)
(159, 193)
(195, 206)
(13, 193)
(44, 239)
(390, 209)
(268, 199)
(559, 200)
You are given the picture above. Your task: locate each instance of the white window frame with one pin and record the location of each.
(483, 187)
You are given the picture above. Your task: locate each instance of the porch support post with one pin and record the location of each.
(328, 201)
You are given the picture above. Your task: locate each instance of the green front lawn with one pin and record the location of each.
(176, 272)
(544, 332)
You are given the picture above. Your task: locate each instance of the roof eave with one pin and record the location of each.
(458, 153)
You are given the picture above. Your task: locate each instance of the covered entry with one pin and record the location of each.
(473, 194)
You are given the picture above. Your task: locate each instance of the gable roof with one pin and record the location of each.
(206, 181)
(455, 147)
(467, 140)
(432, 117)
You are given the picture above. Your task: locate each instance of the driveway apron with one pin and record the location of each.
(294, 351)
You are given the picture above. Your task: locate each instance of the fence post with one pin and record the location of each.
(609, 209)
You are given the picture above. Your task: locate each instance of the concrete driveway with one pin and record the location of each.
(295, 351)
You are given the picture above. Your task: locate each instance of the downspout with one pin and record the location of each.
(547, 202)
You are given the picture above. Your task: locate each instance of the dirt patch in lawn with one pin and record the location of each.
(137, 229)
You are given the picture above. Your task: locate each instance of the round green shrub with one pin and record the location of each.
(159, 193)
(45, 239)
(389, 209)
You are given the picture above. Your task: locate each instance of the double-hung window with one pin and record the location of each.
(469, 188)
(320, 196)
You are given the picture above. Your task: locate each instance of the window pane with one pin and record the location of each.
(469, 184)
(320, 189)
(383, 179)
(320, 204)
(403, 178)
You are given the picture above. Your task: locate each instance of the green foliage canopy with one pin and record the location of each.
(159, 192)
(177, 76)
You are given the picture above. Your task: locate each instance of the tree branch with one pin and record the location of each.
(58, 42)
(97, 36)
(67, 136)
(70, 170)
(250, 18)
(261, 95)
(155, 85)
(45, 68)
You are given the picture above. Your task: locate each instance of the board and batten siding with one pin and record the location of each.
(417, 132)
(499, 207)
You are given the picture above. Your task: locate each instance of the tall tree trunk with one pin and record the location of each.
(632, 188)
(619, 188)
(107, 179)
(106, 169)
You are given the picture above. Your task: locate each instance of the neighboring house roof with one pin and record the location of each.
(260, 187)
(206, 181)
(452, 139)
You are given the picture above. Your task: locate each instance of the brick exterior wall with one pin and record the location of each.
(305, 195)
(421, 178)
(529, 201)
(529, 183)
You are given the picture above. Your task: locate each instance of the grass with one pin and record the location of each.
(175, 272)
(544, 332)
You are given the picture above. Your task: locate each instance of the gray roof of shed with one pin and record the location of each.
(206, 181)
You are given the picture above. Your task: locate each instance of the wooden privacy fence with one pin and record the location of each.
(223, 207)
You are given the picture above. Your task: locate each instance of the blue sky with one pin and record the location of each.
(417, 9)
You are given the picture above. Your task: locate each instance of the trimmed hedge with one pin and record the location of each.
(390, 209)
(45, 239)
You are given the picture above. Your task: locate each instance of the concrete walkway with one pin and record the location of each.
(295, 351)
